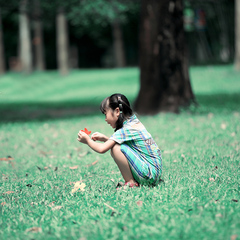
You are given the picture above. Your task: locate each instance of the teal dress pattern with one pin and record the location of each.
(141, 151)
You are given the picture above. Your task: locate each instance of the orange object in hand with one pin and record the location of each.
(86, 131)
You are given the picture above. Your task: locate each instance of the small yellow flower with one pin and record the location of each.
(78, 186)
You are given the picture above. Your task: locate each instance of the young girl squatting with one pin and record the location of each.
(132, 146)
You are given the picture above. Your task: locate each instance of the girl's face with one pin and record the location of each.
(111, 116)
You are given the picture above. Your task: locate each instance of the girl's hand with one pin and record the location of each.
(83, 137)
(99, 137)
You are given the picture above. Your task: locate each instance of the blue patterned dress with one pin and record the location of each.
(141, 151)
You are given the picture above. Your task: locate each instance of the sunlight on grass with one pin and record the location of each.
(41, 161)
(217, 79)
(80, 85)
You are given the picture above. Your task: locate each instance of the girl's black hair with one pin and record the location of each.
(114, 101)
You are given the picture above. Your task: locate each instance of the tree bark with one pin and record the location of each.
(224, 37)
(38, 38)
(164, 77)
(62, 42)
(237, 35)
(119, 52)
(2, 57)
(73, 56)
(25, 41)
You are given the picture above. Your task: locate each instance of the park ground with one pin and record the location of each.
(41, 160)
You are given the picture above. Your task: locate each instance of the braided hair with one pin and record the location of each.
(120, 101)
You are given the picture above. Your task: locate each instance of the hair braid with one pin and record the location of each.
(120, 101)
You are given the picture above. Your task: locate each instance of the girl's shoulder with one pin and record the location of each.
(131, 121)
(138, 126)
(134, 124)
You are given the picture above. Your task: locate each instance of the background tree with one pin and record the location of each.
(164, 78)
(56, 10)
(91, 27)
(118, 44)
(62, 41)
(2, 58)
(95, 17)
(25, 38)
(237, 34)
(38, 36)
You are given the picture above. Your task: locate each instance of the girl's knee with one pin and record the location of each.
(115, 149)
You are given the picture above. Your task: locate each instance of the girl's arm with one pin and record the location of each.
(101, 147)
(99, 137)
(98, 147)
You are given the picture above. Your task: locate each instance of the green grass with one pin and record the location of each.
(44, 95)
(199, 198)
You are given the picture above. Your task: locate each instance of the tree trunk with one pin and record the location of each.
(62, 42)
(38, 38)
(25, 42)
(119, 53)
(2, 59)
(73, 56)
(224, 36)
(164, 78)
(237, 35)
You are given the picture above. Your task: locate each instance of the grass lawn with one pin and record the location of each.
(40, 116)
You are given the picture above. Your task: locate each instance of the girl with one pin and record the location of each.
(132, 147)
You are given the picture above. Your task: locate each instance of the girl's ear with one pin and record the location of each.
(117, 111)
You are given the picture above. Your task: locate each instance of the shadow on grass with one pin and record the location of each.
(15, 112)
(220, 103)
(12, 112)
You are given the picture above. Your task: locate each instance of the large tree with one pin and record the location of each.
(164, 77)
(237, 34)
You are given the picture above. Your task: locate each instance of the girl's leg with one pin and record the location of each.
(122, 163)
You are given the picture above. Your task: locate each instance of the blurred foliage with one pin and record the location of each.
(81, 13)
(96, 17)
(89, 24)
(101, 12)
(90, 29)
